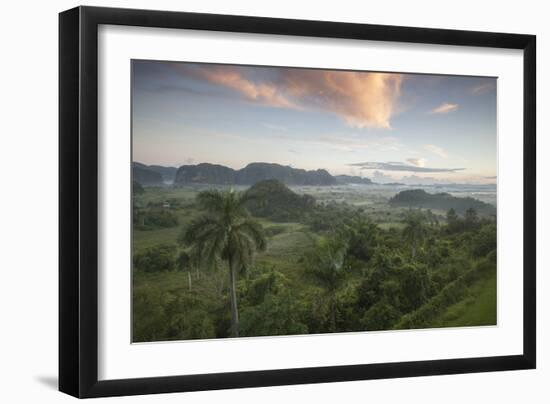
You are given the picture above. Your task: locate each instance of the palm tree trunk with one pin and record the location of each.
(221, 284)
(189, 279)
(233, 291)
(333, 314)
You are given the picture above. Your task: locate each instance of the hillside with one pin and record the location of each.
(274, 200)
(153, 175)
(215, 174)
(168, 173)
(353, 179)
(145, 176)
(205, 173)
(255, 172)
(418, 198)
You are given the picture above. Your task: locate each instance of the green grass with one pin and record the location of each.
(478, 308)
(285, 251)
(149, 238)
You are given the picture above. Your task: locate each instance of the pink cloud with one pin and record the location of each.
(262, 92)
(360, 99)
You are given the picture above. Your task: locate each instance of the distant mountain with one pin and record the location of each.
(274, 200)
(418, 198)
(255, 172)
(215, 174)
(206, 173)
(153, 175)
(145, 176)
(168, 173)
(353, 179)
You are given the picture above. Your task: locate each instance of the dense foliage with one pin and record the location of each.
(149, 219)
(273, 200)
(331, 267)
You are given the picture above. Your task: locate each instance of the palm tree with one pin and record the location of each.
(183, 261)
(328, 267)
(225, 231)
(415, 230)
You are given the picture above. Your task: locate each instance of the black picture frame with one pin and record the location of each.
(78, 201)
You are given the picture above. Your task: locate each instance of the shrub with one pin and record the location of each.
(450, 294)
(381, 316)
(156, 259)
(484, 241)
(154, 219)
(278, 314)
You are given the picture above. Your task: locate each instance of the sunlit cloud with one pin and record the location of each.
(396, 166)
(418, 162)
(436, 150)
(361, 99)
(261, 92)
(445, 108)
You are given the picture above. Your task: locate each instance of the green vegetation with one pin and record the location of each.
(273, 200)
(269, 260)
(419, 198)
(225, 231)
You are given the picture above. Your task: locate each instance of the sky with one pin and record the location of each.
(412, 128)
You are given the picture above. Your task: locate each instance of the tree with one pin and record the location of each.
(327, 265)
(451, 216)
(225, 231)
(158, 258)
(361, 234)
(183, 261)
(432, 218)
(471, 218)
(415, 230)
(137, 189)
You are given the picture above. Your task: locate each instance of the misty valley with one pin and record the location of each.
(272, 250)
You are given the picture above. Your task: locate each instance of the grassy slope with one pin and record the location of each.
(479, 308)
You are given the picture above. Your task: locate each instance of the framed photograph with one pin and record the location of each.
(250, 201)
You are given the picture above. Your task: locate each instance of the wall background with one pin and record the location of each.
(28, 200)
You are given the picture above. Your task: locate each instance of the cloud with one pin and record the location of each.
(396, 166)
(261, 92)
(483, 88)
(361, 99)
(445, 108)
(436, 150)
(417, 162)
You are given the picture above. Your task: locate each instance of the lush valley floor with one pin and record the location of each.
(352, 262)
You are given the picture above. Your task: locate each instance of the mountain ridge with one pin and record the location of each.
(217, 174)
